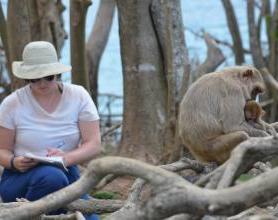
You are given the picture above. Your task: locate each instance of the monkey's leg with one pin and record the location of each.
(221, 146)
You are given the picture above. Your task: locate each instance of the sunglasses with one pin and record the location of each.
(47, 78)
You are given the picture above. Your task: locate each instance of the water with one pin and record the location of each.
(197, 15)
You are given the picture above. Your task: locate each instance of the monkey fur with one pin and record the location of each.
(211, 117)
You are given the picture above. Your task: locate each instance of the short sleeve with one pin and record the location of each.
(88, 110)
(7, 113)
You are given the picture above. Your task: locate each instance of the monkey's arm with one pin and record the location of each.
(251, 131)
(269, 128)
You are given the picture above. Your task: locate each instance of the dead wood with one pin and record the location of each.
(72, 216)
(269, 79)
(245, 155)
(85, 206)
(200, 34)
(171, 194)
(133, 199)
(214, 58)
(205, 179)
(110, 130)
(95, 206)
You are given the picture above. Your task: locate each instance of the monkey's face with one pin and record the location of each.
(253, 111)
(253, 79)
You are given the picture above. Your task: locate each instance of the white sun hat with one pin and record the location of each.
(39, 60)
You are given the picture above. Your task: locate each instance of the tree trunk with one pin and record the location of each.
(234, 30)
(145, 87)
(46, 22)
(4, 38)
(273, 66)
(19, 33)
(78, 10)
(267, 17)
(255, 46)
(97, 42)
(167, 18)
(31, 20)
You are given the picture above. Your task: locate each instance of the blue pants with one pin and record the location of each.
(36, 183)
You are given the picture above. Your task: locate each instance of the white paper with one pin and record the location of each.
(53, 160)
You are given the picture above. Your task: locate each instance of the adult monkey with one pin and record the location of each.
(211, 119)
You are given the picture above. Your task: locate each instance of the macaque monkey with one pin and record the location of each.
(253, 115)
(211, 119)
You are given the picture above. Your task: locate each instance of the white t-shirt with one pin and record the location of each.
(36, 129)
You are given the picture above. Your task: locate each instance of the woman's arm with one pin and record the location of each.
(90, 145)
(7, 158)
(7, 137)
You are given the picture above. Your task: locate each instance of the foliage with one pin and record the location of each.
(104, 195)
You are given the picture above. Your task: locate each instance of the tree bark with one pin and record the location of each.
(255, 46)
(214, 58)
(266, 7)
(273, 53)
(234, 31)
(78, 10)
(168, 24)
(18, 32)
(97, 42)
(46, 22)
(4, 38)
(145, 88)
(172, 194)
(31, 20)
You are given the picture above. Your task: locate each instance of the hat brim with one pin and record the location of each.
(38, 71)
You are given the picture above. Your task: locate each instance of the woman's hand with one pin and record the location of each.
(23, 164)
(55, 152)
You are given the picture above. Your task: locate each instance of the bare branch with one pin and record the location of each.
(218, 41)
(95, 205)
(214, 58)
(255, 46)
(97, 41)
(172, 194)
(234, 30)
(245, 155)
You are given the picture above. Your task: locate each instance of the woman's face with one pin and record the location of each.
(44, 86)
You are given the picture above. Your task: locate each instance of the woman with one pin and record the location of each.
(45, 118)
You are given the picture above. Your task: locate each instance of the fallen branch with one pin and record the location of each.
(71, 216)
(97, 206)
(245, 155)
(171, 194)
(85, 206)
(111, 130)
(133, 199)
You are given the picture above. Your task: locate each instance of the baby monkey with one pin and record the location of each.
(253, 115)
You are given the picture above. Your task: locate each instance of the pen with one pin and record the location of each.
(61, 144)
